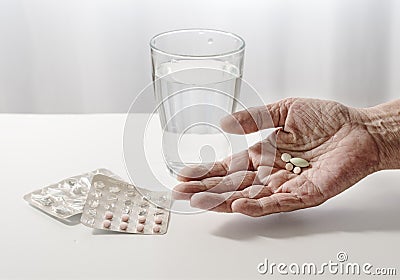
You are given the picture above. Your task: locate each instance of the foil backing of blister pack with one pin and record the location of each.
(110, 199)
(67, 197)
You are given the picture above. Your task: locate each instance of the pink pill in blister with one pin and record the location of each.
(106, 223)
(158, 220)
(121, 207)
(125, 217)
(108, 215)
(142, 219)
(156, 229)
(140, 227)
(123, 226)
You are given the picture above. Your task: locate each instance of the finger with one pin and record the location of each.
(265, 175)
(275, 203)
(234, 163)
(178, 195)
(222, 202)
(210, 201)
(257, 118)
(201, 171)
(235, 181)
(274, 178)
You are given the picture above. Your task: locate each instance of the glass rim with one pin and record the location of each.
(222, 54)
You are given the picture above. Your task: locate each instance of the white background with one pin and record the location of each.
(87, 56)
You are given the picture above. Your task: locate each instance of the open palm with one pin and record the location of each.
(255, 182)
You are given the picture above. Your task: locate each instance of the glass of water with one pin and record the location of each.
(197, 75)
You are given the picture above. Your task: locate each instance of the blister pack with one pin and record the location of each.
(67, 197)
(118, 206)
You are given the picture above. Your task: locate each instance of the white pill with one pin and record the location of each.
(300, 162)
(106, 223)
(142, 219)
(158, 220)
(286, 157)
(108, 215)
(125, 217)
(289, 166)
(156, 228)
(140, 227)
(297, 170)
(123, 226)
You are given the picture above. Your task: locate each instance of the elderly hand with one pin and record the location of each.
(335, 139)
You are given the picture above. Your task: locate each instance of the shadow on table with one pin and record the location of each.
(107, 232)
(314, 221)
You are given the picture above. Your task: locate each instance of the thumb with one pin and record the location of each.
(257, 118)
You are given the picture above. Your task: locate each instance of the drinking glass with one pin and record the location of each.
(197, 76)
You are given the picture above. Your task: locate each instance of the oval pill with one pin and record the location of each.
(297, 170)
(289, 166)
(286, 157)
(300, 162)
(142, 219)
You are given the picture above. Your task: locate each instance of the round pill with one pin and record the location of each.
(158, 220)
(156, 228)
(123, 226)
(297, 170)
(106, 223)
(289, 166)
(286, 157)
(140, 227)
(142, 219)
(108, 215)
(125, 217)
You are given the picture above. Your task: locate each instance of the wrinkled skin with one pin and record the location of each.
(331, 136)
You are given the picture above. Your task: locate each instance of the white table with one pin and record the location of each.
(37, 150)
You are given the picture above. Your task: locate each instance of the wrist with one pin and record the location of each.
(383, 124)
